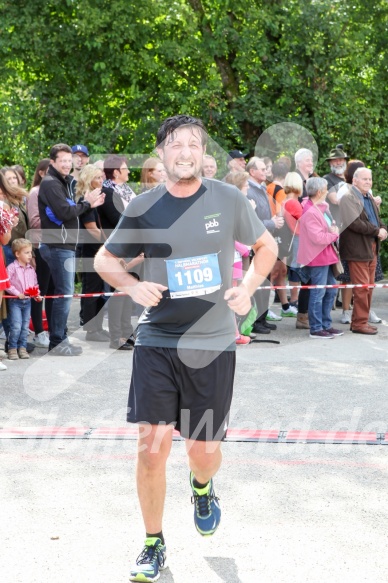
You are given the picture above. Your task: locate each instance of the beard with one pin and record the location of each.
(184, 178)
(338, 170)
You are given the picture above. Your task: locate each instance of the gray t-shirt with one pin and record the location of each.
(188, 244)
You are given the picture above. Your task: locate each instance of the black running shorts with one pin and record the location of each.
(192, 395)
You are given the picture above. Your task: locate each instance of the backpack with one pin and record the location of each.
(277, 189)
(284, 237)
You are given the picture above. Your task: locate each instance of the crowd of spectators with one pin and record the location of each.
(328, 230)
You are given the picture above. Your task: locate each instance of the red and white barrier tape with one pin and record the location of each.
(266, 287)
(233, 434)
(334, 286)
(95, 295)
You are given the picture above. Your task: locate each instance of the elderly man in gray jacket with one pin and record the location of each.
(257, 192)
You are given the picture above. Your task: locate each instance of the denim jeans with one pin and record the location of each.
(9, 256)
(62, 267)
(321, 300)
(18, 320)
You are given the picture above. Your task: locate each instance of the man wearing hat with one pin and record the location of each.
(237, 161)
(80, 159)
(335, 179)
(337, 159)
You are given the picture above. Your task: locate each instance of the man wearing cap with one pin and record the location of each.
(237, 161)
(80, 159)
(335, 179)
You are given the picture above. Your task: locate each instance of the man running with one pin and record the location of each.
(184, 357)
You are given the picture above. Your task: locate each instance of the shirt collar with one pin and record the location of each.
(252, 182)
(21, 266)
(359, 193)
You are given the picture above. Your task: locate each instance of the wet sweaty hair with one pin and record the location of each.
(171, 124)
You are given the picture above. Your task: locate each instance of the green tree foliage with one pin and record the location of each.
(105, 73)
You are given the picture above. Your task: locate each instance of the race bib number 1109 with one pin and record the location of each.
(193, 276)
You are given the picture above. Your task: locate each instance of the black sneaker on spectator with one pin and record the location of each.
(65, 350)
(322, 335)
(120, 344)
(269, 326)
(259, 328)
(335, 332)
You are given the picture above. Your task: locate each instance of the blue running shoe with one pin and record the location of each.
(151, 560)
(207, 511)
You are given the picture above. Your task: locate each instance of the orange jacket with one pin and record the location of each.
(275, 202)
